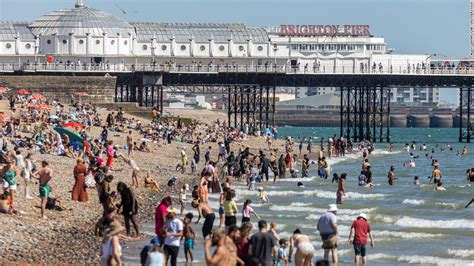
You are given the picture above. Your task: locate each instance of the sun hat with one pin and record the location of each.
(114, 229)
(362, 215)
(260, 188)
(155, 240)
(332, 208)
(171, 209)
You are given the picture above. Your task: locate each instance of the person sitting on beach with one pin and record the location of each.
(6, 204)
(55, 204)
(143, 147)
(439, 187)
(150, 183)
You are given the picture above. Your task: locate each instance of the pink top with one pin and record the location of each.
(110, 151)
(160, 212)
(247, 212)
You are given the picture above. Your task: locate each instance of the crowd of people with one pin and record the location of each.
(226, 241)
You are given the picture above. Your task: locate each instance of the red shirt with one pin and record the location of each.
(361, 228)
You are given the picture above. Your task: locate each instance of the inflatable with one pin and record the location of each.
(72, 136)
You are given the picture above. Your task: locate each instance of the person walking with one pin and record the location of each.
(79, 192)
(111, 251)
(262, 245)
(360, 229)
(174, 231)
(129, 207)
(327, 227)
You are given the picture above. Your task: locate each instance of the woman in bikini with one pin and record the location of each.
(305, 250)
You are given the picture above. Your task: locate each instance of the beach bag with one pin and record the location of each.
(90, 181)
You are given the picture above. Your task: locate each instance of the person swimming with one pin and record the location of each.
(416, 180)
(300, 185)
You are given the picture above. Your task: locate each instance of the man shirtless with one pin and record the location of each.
(221, 255)
(130, 143)
(208, 214)
(44, 175)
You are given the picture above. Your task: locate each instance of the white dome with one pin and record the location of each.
(80, 20)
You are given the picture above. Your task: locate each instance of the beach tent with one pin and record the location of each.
(72, 136)
(73, 125)
(268, 132)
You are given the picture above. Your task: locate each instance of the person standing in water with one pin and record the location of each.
(391, 176)
(360, 229)
(340, 189)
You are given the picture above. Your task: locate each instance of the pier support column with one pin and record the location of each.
(364, 113)
(465, 106)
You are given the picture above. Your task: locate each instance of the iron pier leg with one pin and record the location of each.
(388, 91)
(229, 107)
(341, 113)
(461, 105)
(469, 99)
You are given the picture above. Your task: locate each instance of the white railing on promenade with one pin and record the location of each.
(194, 68)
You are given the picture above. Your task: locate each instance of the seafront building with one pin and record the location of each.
(82, 37)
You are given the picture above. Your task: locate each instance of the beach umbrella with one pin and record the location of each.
(3, 90)
(44, 106)
(22, 92)
(32, 105)
(3, 117)
(73, 125)
(53, 117)
(38, 96)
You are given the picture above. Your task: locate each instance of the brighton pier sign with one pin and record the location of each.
(324, 30)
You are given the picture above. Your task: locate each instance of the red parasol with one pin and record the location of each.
(32, 105)
(73, 125)
(38, 96)
(44, 106)
(3, 117)
(22, 92)
(3, 90)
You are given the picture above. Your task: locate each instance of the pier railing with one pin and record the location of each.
(231, 68)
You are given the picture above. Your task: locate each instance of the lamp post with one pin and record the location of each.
(275, 50)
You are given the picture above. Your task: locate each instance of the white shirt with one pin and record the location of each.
(173, 226)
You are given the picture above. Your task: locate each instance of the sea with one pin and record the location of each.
(411, 224)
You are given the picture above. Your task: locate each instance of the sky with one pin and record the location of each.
(409, 26)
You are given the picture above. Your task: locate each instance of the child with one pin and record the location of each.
(416, 180)
(182, 197)
(189, 237)
(193, 166)
(282, 256)
(262, 196)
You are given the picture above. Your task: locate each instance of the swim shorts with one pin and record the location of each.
(360, 250)
(45, 191)
(189, 244)
(221, 210)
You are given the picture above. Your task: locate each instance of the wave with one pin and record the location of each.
(315, 193)
(463, 253)
(413, 202)
(421, 259)
(294, 208)
(424, 223)
(406, 235)
(384, 152)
